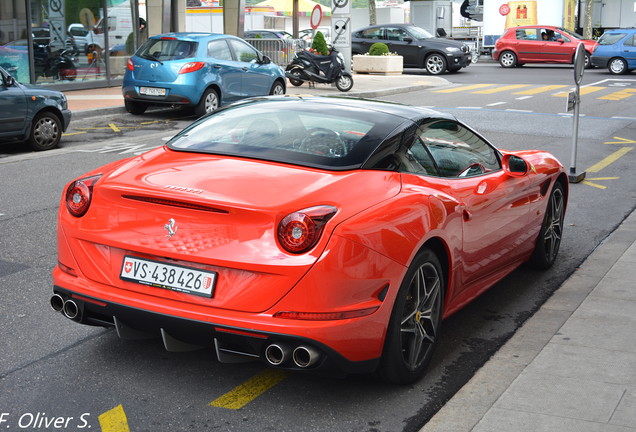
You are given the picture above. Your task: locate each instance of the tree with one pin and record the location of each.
(373, 20)
(587, 25)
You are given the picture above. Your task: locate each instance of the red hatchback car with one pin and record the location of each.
(539, 44)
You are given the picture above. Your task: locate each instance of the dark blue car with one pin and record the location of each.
(616, 51)
(199, 70)
(32, 114)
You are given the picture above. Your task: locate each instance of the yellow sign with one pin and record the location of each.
(522, 13)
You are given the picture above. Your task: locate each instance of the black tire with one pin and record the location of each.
(296, 82)
(277, 89)
(588, 61)
(415, 324)
(617, 66)
(208, 104)
(135, 108)
(508, 59)
(435, 64)
(46, 131)
(344, 83)
(549, 239)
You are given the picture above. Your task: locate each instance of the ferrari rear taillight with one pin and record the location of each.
(79, 195)
(130, 65)
(191, 67)
(300, 231)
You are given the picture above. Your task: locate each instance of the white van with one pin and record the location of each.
(120, 25)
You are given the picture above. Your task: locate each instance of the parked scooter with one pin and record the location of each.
(321, 69)
(59, 65)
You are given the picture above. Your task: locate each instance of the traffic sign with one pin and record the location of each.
(316, 17)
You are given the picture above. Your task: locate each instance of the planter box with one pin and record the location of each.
(385, 65)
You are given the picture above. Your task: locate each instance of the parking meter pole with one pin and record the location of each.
(579, 67)
(573, 176)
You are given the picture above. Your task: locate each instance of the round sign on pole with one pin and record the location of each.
(579, 63)
(316, 17)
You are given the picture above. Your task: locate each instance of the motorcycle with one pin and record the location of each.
(328, 69)
(60, 65)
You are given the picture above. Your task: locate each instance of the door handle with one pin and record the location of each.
(217, 66)
(466, 215)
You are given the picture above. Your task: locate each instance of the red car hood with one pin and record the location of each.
(226, 210)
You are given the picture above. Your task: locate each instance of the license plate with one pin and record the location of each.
(152, 91)
(168, 276)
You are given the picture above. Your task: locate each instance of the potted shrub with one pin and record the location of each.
(378, 60)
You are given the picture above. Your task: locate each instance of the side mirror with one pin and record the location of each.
(9, 81)
(408, 39)
(266, 60)
(514, 166)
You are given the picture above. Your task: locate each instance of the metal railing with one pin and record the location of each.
(280, 51)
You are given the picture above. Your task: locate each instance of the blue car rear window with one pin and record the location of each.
(167, 49)
(610, 38)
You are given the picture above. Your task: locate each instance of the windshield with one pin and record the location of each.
(611, 38)
(571, 33)
(289, 131)
(167, 49)
(419, 32)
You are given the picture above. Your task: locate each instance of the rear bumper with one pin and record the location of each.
(233, 343)
(173, 96)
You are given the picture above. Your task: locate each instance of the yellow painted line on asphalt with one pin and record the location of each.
(463, 88)
(114, 127)
(114, 420)
(619, 95)
(589, 183)
(621, 141)
(245, 393)
(584, 91)
(73, 133)
(541, 89)
(610, 159)
(501, 89)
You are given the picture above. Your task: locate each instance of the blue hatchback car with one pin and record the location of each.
(616, 51)
(199, 70)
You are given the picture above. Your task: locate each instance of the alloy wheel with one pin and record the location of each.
(553, 225)
(422, 315)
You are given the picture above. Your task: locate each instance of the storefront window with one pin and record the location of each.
(14, 47)
(72, 41)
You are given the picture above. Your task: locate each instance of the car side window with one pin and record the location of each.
(560, 37)
(396, 34)
(374, 33)
(526, 34)
(219, 49)
(454, 150)
(631, 41)
(243, 52)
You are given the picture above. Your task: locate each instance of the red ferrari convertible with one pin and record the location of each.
(309, 233)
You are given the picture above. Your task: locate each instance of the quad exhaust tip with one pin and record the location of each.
(277, 354)
(57, 302)
(305, 356)
(71, 310)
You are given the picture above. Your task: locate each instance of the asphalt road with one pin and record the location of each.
(51, 366)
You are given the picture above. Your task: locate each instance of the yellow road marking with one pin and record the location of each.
(114, 420)
(463, 88)
(114, 127)
(621, 141)
(589, 183)
(584, 91)
(542, 89)
(622, 94)
(610, 159)
(602, 178)
(501, 89)
(245, 393)
(72, 133)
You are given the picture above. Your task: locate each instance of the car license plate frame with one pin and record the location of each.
(173, 277)
(152, 91)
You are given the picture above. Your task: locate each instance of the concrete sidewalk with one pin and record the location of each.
(572, 366)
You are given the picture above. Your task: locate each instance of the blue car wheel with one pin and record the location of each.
(208, 104)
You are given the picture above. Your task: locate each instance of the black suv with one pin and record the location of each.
(419, 48)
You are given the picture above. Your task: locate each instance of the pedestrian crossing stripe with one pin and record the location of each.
(494, 88)
(541, 89)
(501, 89)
